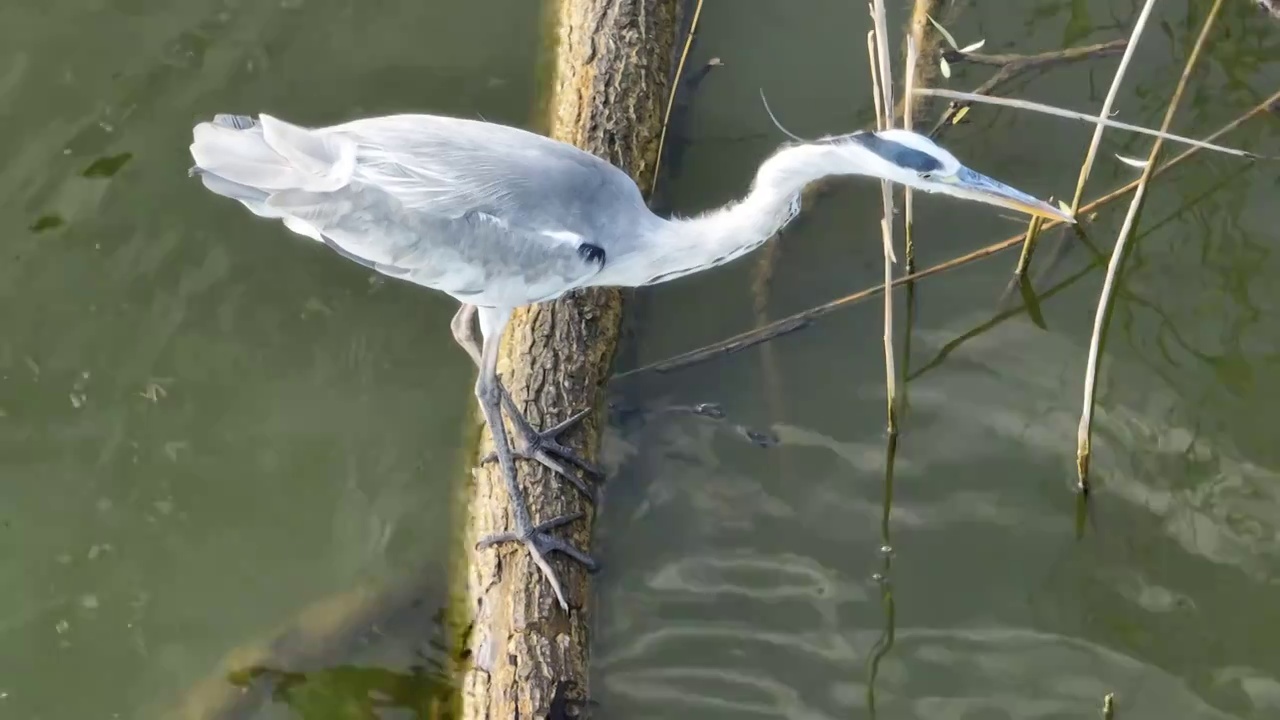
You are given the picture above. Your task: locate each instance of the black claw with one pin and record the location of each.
(547, 543)
(557, 522)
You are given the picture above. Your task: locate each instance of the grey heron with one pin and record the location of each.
(499, 218)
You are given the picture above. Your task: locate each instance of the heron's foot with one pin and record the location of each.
(545, 447)
(539, 544)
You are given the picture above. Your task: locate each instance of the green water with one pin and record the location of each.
(208, 424)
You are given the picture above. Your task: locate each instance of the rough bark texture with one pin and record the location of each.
(613, 64)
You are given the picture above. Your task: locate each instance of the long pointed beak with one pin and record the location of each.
(976, 186)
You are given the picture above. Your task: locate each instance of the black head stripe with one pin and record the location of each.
(897, 153)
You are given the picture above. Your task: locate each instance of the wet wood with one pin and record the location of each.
(613, 65)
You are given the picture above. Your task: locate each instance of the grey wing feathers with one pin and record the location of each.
(477, 257)
(478, 210)
(451, 166)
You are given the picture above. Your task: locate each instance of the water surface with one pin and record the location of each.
(210, 425)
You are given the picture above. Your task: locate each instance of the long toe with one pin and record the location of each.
(540, 544)
(545, 447)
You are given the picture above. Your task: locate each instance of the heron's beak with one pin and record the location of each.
(973, 185)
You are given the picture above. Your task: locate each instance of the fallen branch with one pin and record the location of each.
(613, 61)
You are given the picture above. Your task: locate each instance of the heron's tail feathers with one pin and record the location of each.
(269, 155)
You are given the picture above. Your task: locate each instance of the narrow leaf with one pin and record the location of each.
(960, 115)
(950, 40)
(975, 46)
(946, 68)
(1134, 162)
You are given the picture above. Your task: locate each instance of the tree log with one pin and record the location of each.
(612, 74)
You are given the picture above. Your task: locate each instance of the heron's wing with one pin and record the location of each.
(476, 257)
(490, 214)
(451, 166)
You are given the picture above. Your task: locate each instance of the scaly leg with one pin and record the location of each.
(533, 537)
(544, 447)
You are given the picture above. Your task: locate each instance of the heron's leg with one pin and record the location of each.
(544, 446)
(464, 331)
(533, 537)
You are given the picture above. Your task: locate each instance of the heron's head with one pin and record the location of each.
(916, 161)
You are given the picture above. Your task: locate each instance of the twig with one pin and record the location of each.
(802, 319)
(1071, 114)
(1109, 706)
(1014, 65)
(1025, 61)
(1117, 257)
(1111, 97)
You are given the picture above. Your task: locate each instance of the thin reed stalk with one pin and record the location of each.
(882, 86)
(1105, 302)
(1073, 115)
(675, 87)
(907, 123)
(1028, 246)
(1089, 156)
(909, 108)
(887, 638)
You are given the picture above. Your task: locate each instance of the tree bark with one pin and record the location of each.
(612, 73)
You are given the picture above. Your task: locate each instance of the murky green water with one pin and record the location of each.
(209, 425)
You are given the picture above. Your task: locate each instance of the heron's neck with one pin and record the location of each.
(678, 247)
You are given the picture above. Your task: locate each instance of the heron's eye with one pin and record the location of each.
(926, 176)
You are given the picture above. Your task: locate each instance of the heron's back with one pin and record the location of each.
(491, 214)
